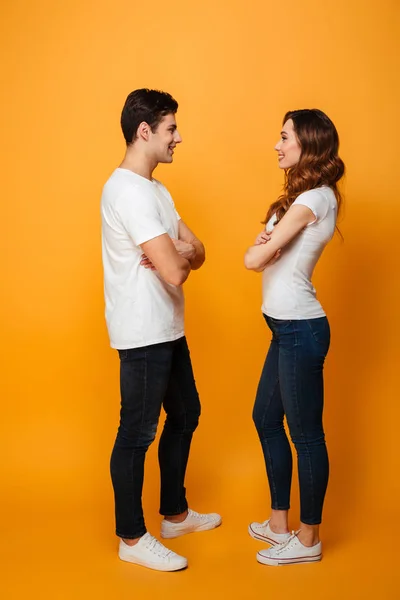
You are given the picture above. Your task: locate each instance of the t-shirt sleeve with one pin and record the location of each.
(169, 198)
(316, 202)
(139, 215)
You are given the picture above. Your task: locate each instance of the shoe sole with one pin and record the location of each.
(207, 527)
(154, 567)
(288, 561)
(262, 538)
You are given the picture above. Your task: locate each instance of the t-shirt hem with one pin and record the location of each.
(293, 317)
(144, 343)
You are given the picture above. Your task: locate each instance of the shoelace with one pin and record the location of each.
(286, 545)
(197, 515)
(157, 548)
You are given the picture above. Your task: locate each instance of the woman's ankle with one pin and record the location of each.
(308, 535)
(279, 521)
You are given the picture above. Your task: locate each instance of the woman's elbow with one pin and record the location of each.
(247, 262)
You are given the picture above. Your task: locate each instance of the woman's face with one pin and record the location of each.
(288, 147)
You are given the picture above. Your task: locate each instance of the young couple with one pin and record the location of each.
(148, 253)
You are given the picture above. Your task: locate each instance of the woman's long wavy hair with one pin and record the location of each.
(319, 163)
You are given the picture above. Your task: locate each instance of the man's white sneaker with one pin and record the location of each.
(290, 552)
(151, 553)
(263, 532)
(193, 522)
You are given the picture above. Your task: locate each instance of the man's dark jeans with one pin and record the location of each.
(291, 384)
(152, 377)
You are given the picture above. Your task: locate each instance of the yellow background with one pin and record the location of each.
(235, 68)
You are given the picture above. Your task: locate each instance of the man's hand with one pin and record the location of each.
(160, 255)
(146, 263)
(185, 249)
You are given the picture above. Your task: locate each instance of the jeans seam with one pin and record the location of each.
(141, 425)
(145, 391)
(179, 479)
(302, 436)
(272, 479)
(321, 343)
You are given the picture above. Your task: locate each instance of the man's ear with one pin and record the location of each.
(143, 131)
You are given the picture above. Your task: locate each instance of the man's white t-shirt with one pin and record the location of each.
(287, 289)
(141, 308)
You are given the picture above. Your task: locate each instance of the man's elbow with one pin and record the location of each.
(198, 262)
(177, 277)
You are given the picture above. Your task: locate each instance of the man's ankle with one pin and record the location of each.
(130, 542)
(176, 518)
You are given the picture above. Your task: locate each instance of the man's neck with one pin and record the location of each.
(138, 163)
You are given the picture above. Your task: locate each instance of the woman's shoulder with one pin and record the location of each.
(323, 192)
(319, 200)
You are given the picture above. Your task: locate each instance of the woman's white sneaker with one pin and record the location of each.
(263, 532)
(151, 553)
(194, 522)
(290, 552)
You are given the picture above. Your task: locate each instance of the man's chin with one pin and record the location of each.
(166, 160)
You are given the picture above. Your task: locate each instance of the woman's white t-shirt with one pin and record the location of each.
(287, 289)
(141, 308)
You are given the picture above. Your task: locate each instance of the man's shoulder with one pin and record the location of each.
(163, 191)
(121, 186)
(160, 186)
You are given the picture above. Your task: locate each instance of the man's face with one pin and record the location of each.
(164, 140)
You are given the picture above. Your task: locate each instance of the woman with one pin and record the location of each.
(298, 227)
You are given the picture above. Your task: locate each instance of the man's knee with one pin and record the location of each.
(193, 419)
(137, 438)
(257, 420)
(185, 422)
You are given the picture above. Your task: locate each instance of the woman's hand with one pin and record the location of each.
(292, 223)
(262, 238)
(274, 258)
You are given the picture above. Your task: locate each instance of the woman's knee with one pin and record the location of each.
(307, 443)
(267, 428)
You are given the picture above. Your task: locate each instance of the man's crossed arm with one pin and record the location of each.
(174, 258)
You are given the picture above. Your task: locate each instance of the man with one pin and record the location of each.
(148, 253)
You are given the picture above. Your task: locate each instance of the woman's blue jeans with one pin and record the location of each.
(291, 384)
